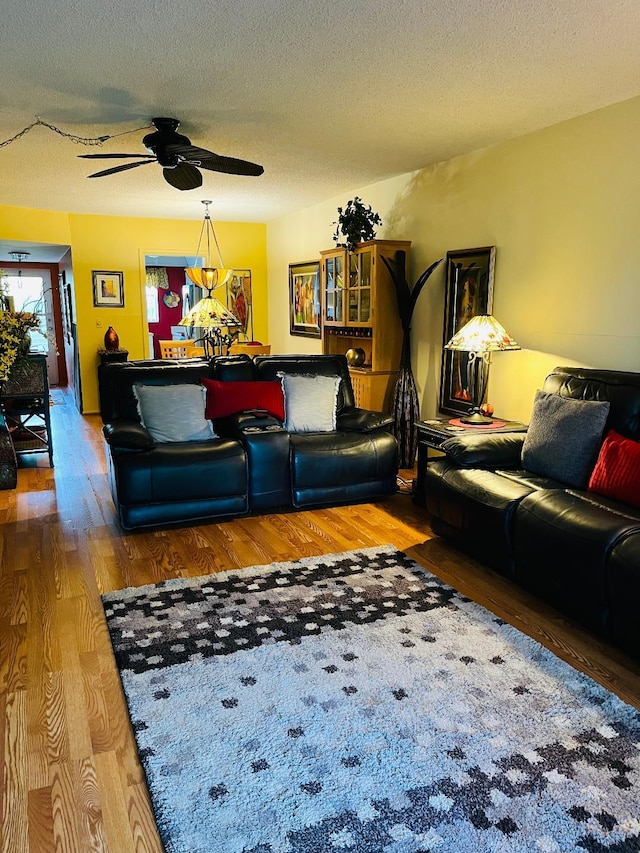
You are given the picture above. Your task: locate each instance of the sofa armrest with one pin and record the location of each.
(495, 450)
(352, 419)
(127, 435)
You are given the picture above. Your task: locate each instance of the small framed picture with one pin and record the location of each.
(108, 289)
(304, 299)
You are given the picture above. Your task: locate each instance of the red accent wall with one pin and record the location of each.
(168, 316)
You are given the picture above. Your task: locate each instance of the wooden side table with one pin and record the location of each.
(25, 405)
(8, 462)
(433, 433)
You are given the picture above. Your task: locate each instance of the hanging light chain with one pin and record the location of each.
(78, 140)
(208, 224)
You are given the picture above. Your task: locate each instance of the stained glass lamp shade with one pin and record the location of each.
(481, 336)
(211, 315)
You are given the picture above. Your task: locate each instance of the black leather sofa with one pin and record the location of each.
(576, 549)
(253, 464)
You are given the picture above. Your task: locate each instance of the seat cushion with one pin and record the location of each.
(623, 592)
(339, 466)
(181, 471)
(562, 540)
(475, 508)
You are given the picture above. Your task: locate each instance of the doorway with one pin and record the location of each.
(30, 290)
(165, 299)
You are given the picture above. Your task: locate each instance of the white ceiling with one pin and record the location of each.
(327, 95)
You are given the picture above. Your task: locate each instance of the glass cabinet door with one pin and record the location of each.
(360, 288)
(334, 290)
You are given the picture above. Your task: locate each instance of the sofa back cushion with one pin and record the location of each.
(173, 412)
(564, 437)
(617, 470)
(620, 388)
(117, 381)
(234, 368)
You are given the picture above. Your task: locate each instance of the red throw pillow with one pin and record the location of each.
(228, 398)
(617, 471)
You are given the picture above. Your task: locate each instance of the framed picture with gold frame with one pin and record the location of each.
(468, 291)
(304, 299)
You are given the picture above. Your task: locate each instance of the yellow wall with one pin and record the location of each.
(562, 206)
(118, 243)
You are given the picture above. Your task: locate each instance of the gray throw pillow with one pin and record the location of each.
(173, 412)
(310, 402)
(564, 437)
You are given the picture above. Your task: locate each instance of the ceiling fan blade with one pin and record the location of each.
(214, 162)
(231, 166)
(188, 152)
(183, 177)
(112, 156)
(122, 168)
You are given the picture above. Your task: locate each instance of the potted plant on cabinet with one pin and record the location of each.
(355, 224)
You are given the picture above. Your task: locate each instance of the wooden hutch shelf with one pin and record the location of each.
(359, 310)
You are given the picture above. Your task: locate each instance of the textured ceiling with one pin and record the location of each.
(328, 96)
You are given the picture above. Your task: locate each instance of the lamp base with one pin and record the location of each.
(476, 418)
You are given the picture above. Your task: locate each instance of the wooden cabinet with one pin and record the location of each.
(332, 271)
(359, 310)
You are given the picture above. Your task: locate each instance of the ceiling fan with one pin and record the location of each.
(178, 158)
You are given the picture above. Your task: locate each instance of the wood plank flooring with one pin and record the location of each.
(71, 780)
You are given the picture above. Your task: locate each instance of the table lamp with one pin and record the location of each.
(481, 336)
(216, 321)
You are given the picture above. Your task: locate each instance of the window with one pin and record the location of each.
(153, 312)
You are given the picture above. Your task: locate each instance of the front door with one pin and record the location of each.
(31, 291)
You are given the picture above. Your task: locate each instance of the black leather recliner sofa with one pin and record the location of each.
(574, 548)
(253, 464)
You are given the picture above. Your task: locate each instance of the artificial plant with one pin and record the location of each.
(355, 223)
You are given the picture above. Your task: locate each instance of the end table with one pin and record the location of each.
(25, 406)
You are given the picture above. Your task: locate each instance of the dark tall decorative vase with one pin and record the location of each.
(111, 340)
(405, 408)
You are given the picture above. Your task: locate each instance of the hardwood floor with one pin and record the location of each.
(71, 780)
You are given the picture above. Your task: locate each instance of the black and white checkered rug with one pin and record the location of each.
(353, 702)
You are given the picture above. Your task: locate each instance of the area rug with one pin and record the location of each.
(354, 702)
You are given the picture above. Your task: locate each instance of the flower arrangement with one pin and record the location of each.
(14, 330)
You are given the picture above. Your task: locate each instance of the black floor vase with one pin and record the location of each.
(405, 408)
(404, 405)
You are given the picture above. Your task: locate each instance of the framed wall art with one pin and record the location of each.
(468, 291)
(304, 299)
(240, 301)
(108, 289)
